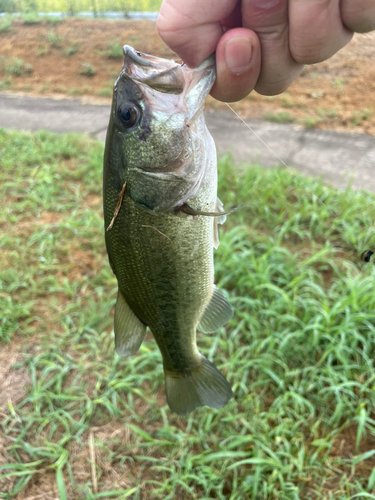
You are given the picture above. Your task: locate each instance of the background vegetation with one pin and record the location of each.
(78, 422)
(74, 6)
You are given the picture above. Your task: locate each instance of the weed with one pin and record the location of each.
(31, 18)
(6, 24)
(310, 121)
(41, 51)
(70, 51)
(53, 20)
(5, 84)
(360, 116)
(75, 91)
(286, 100)
(105, 92)
(114, 51)
(54, 40)
(339, 83)
(331, 113)
(87, 69)
(17, 67)
(280, 117)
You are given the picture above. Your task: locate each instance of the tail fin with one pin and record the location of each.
(205, 385)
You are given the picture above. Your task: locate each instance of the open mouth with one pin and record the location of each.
(163, 75)
(147, 60)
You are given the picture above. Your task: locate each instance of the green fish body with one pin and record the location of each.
(159, 176)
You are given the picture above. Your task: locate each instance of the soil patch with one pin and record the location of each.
(12, 382)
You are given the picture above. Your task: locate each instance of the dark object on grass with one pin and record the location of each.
(366, 255)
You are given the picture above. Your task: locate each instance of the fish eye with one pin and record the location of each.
(128, 114)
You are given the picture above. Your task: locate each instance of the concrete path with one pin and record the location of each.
(339, 158)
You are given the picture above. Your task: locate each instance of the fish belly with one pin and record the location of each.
(164, 267)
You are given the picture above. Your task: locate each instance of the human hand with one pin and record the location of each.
(260, 44)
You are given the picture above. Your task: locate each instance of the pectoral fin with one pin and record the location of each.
(129, 330)
(219, 219)
(220, 210)
(217, 313)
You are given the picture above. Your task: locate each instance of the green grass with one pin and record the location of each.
(299, 351)
(114, 50)
(75, 91)
(15, 66)
(31, 18)
(330, 113)
(360, 116)
(6, 24)
(54, 40)
(86, 69)
(6, 84)
(311, 121)
(52, 20)
(80, 6)
(71, 50)
(279, 117)
(286, 100)
(42, 50)
(105, 92)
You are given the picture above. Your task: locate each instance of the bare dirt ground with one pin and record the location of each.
(81, 57)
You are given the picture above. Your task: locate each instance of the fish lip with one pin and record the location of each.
(146, 59)
(164, 75)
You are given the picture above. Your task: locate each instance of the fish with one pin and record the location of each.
(161, 214)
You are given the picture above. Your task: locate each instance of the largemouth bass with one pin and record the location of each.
(161, 213)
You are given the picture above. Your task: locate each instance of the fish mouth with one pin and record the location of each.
(142, 59)
(163, 75)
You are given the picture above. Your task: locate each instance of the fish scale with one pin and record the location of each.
(151, 277)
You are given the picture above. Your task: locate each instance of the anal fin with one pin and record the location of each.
(217, 313)
(129, 330)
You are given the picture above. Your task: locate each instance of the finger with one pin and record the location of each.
(237, 65)
(358, 15)
(234, 20)
(192, 28)
(316, 30)
(269, 20)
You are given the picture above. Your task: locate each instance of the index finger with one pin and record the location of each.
(192, 28)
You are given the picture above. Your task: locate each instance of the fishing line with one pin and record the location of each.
(366, 256)
(257, 136)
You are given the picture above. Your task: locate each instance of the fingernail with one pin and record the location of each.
(238, 52)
